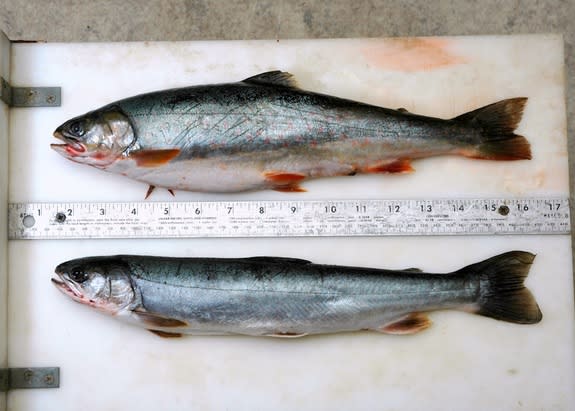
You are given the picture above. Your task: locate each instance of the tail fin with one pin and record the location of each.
(502, 294)
(497, 123)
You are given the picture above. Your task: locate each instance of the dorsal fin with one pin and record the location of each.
(412, 270)
(273, 78)
(278, 260)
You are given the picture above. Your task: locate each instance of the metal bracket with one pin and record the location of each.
(30, 96)
(18, 378)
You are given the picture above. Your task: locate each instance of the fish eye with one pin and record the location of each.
(78, 275)
(77, 128)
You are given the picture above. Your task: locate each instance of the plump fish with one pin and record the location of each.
(266, 133)
(286, 297)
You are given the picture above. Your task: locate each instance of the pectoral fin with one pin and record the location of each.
(408, 324)
(154, 320)
(154, 158)
(165, 334)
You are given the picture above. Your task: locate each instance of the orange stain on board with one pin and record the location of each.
(412, 54)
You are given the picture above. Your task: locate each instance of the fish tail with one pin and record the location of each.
(497, 123)
(502, 294)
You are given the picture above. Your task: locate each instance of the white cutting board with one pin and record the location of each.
(462, 362)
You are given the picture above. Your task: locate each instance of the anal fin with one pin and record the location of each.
(165, 334)
(408, 324)
(397, 166)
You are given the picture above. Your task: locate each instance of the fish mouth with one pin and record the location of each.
(71, 147)
(63, 286)
(68, 289)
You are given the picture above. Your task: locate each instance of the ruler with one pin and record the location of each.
(288, 218)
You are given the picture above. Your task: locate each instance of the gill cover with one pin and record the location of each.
(100, 282)
(96, 138)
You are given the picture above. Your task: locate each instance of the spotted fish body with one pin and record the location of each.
(265, 133)
(270, 296)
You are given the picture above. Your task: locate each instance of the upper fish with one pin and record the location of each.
(266, 133)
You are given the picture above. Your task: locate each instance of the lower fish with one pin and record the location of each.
(287, 297)
(267, 133)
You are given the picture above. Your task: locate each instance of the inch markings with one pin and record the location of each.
(288, 218)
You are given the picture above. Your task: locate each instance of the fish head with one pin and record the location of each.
(103, 283)
(97, 138)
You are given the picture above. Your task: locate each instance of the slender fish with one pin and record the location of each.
(266, 133)
(286, 297)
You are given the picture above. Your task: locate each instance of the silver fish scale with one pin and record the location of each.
(289, 218)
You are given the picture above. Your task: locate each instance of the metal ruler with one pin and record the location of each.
(288, 218)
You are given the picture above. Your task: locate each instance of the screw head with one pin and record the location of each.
(49, 379)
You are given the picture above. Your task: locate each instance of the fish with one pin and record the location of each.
(290, 297)
(266, 133)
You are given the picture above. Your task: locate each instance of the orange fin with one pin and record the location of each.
(155, 320)
(281, 177)
(408, 324)
(397, 166)
(285, 181)
(291, 188)
(154, 158)
(150, 191)
(165, 334)
(285, 335)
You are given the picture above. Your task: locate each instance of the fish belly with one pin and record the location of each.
(281, 169)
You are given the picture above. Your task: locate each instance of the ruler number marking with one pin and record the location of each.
(554, 206)
(522, 207)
